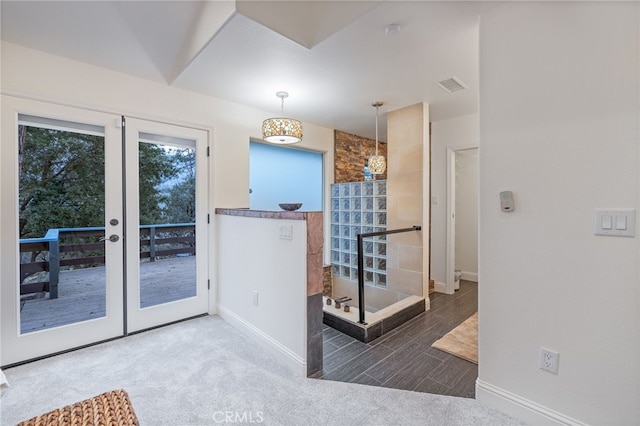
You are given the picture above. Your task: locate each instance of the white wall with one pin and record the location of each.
(252, 257)
(467, 214)
(559, 126)
(456, 133)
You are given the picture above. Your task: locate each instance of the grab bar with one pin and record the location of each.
(361, 263)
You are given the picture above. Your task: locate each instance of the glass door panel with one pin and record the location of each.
(167, 197)
(61, 217)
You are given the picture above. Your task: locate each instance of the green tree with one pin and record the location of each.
(180, 206)
(61, 181)
(155, 167)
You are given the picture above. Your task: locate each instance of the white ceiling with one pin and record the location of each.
(333, 57)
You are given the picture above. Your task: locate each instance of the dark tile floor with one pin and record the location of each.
(404, 358)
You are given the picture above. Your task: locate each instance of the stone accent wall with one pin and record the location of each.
(350, 154)
(327, 281)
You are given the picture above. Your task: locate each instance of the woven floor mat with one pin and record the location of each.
(108, 409)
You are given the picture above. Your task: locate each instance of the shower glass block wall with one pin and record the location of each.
(359, 207)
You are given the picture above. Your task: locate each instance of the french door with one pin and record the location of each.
(102, 231)
(167, 274)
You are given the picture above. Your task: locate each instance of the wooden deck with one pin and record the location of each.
(82, 295)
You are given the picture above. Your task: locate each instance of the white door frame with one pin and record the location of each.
(450, 262)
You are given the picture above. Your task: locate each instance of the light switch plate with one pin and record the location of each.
(616, 222)
(285, 232)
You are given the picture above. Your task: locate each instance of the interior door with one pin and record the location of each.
(166, 229)
(60, 278)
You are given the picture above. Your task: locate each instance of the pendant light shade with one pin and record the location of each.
(282, 130)
(377, 163)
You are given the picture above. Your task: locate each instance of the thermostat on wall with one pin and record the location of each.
(506, 201)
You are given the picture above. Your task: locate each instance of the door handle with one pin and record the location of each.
(113, 238)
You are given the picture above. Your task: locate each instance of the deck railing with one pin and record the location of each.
(80, 247)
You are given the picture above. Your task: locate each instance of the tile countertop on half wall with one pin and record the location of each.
(266, 214)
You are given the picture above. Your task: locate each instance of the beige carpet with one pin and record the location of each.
(462, 341)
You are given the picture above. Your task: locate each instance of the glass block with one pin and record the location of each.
(381, 264)
(344, 189)
(381, 219)
(356, 218)
(335, 256)
(335, 204)
(354, 274)
(355, 230)
(345, 204)
(345, 258)
(367, 188)
(380, 187)
(345, 231)
(335, 244)
(344, 218)
(356, 203)
(367, 203)
(335, 190)
(367, 218)
(335, 270)
(367, 229)
(380, 238)
(335, 217)
(368, 277)
(335, 230)
(345, 245)
(346, 272)
(356, 188)
(381, 203)
(368, 247)
(381, 280)
(381, 249)
(354, 260)
(368, 262)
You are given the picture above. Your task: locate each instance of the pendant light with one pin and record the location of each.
(377, 164)
(282, 130)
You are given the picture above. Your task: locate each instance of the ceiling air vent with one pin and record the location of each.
(452, 84)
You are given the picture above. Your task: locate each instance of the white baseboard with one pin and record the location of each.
(440, 287)
(289, 358)
(521, 408)
(469, 276)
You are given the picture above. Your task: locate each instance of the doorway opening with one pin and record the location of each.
(462, 217)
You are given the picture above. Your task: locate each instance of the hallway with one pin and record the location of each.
(404, 358)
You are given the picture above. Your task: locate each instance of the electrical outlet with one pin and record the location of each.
(549, 360)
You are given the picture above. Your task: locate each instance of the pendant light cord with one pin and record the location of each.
(377, 129)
